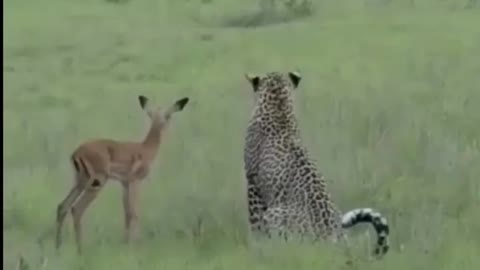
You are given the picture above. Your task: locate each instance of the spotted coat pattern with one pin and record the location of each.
(286, 192)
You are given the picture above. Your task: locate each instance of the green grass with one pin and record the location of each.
(387, 106)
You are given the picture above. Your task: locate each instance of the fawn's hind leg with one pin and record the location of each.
(63, 209)
(88, 196)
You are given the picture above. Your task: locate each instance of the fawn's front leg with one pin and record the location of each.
(130, 206)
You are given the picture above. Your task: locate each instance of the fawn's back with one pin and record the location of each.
(112, 159)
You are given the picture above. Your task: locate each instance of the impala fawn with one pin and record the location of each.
(95, 162)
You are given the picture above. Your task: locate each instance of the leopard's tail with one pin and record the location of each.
(368, 215)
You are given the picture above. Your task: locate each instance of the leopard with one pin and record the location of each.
(286, 193)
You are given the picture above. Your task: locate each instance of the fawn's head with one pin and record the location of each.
(159, 114)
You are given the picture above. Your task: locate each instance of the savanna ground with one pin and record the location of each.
(387, 105)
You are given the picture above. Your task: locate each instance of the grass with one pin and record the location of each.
(388, 106)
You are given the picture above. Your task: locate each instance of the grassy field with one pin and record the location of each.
(387, 106)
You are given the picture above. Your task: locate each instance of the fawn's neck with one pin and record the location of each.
(152, 141)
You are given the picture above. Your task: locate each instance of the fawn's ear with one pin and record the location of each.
(295, 77)
(180, 104)
(254, 81)
(143, 101)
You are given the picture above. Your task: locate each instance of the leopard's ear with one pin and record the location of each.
(254, 81)
(295, 77)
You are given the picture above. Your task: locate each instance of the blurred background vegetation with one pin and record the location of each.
(387, 105)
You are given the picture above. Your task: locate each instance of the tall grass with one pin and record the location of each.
(388, 106)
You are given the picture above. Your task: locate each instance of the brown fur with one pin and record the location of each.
(97, 161)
